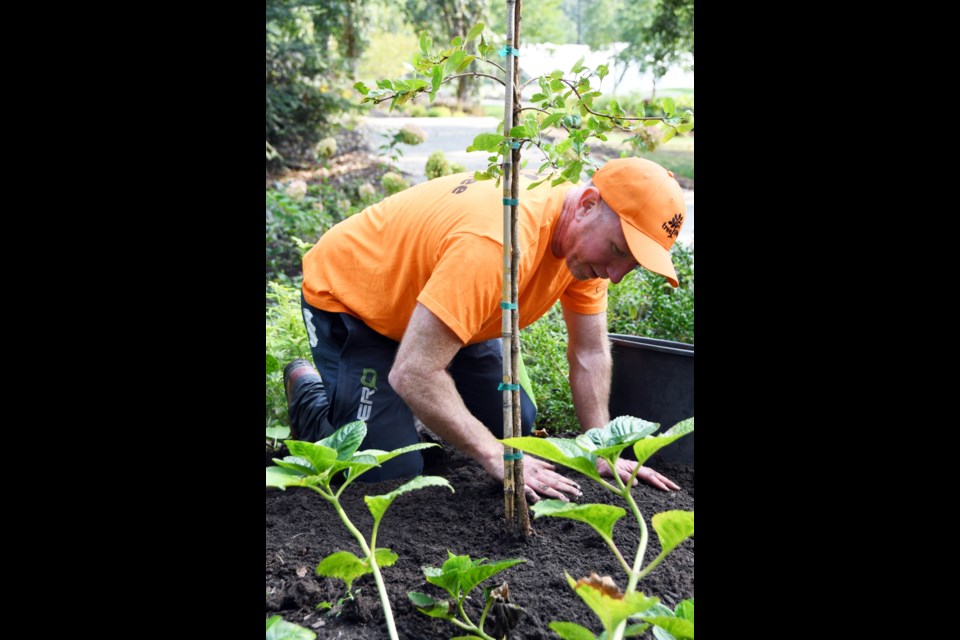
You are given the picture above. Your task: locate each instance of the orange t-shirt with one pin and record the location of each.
(440, 243)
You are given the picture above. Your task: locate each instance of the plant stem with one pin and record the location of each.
(486, 610)
(642, 547)
(616, 552)
(470, 626)
(371, 558)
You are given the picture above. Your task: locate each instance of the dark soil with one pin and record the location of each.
(422, 525)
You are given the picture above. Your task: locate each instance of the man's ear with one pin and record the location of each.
(588, 201)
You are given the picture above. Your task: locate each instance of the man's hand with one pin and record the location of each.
(541, 481)
(625, 469)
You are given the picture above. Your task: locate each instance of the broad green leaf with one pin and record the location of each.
(272, 363)
(283, 478)
(453, 61)
(359, 464)
(685, 609)
(474, 576)
(456, 42)
(611, 611)
(438, 608)
(578, 66)
(280, 629)
(601, 517)
(572, 631)
(378, 504)
(385, 83)
(649, 446)
(685, 127)
(563, 145)
(459, 574)
(449, 581)
(346, 439)
(616, 435)
(343, 565)
(520, 131)
(556, 74)
(602, 71)
(658, 609)
(660, 634)
(672, 527)
(319, 456)
(475, 30)
(563, 452)
(669, 134)
(425, 42)
(436, 77)
(635, 630)
(550, 120)
(362, 88)
(385, 557)
(465, 63)
(348, 567)
(486, 142)
(677, 627)
(383, 456)
(573, 170)
(681, 428)
(537, 97)
(533, 185)
(278, 433)
(668, 105)
(296, 464)
(421, 599)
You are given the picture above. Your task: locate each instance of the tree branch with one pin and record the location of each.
(604, 115)
(471, 73)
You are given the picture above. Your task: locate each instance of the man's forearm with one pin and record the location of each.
(590, 388)
(434, 399)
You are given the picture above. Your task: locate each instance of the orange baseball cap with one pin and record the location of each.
(650, 204)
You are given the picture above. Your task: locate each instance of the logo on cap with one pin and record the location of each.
(672, 226)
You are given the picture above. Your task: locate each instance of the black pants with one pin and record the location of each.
(354, 360)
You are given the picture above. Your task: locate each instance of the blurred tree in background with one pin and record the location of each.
(312, 48)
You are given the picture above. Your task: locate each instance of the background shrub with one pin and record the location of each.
(286, 341)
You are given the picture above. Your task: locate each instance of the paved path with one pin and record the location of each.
(453, 136)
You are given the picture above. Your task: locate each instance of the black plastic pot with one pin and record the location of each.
(653, 380)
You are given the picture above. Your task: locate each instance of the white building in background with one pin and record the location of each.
(538, 59)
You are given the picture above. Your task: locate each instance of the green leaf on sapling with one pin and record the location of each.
(672, 527)
(561, 451)
(379, 504)
(572, 631)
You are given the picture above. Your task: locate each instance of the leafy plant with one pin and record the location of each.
(409, 134)
(644, 303)
(561, 101)
(612, 606)
(280, 629)
(286, 341)
(307, 45)
(458, 576)
(316, 465)
(393, 182)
